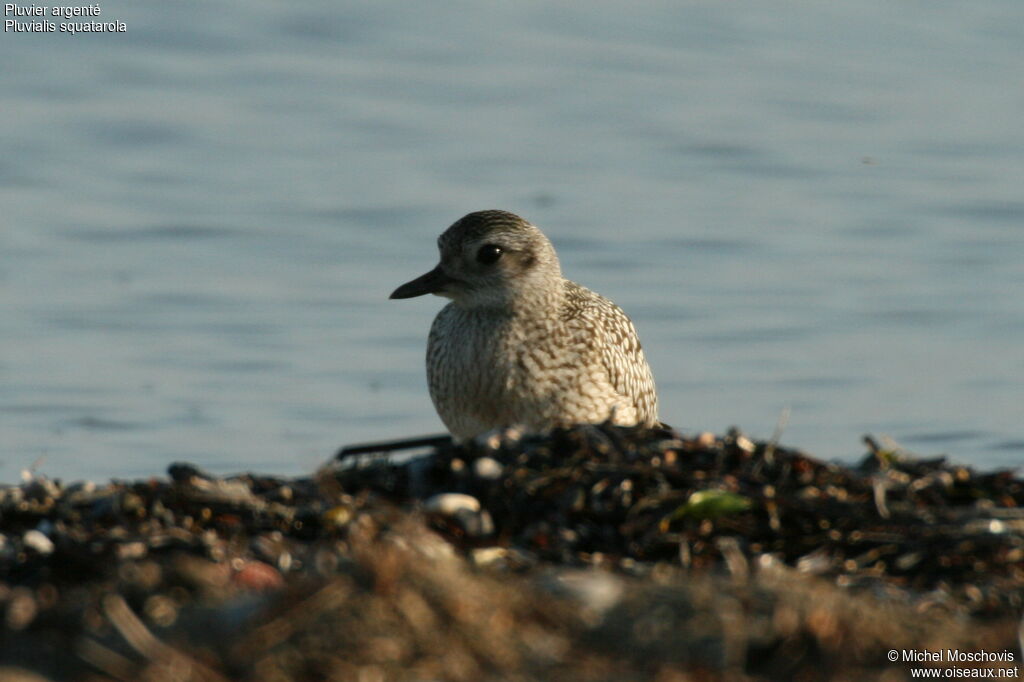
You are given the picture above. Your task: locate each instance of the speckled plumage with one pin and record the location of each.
(521, 345)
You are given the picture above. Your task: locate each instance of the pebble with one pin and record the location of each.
(489, 556)
(36, 540)
(338, 515)
(259, 577)
(21, 608)
(131, 550)
(161, 610)
(462, 510)
(450, 503)
(487, 468)
(595, 590)
(706, 439)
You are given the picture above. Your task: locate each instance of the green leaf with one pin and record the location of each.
(710, 504)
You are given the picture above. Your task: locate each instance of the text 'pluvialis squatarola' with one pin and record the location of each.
(521, 345)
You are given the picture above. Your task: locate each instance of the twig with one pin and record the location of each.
(773, 442)
(434, 441)
(103, 658)
(138, 636)
(879, 488)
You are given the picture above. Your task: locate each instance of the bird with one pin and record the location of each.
(519, 345)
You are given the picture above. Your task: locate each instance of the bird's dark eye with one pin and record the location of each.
(488, 254)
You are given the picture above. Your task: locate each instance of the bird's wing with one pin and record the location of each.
(621, 354)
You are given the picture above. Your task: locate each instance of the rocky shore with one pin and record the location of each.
(594, 553)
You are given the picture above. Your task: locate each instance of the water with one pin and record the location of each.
(803, 205)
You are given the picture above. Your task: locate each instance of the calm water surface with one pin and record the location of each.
(801, 205)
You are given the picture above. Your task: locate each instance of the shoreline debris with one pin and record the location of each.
(595, 552)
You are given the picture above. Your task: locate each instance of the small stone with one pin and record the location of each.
(487, 468)
(745, 444)
(259, 577)
(490, 439)
(339, 515)
(450, 503)
(489, 556)
(463, 512)
(131, 550)
(161, 610)
(595, 590)
(37, 541)
(21, 608)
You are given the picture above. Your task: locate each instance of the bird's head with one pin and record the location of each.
(490, 259)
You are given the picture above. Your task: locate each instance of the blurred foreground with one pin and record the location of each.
(597, 553)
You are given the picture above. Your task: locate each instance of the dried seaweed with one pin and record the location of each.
(596, 552)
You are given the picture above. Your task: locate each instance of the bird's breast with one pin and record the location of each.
(488, 371)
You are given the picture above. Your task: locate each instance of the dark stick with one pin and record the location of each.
(394, 445)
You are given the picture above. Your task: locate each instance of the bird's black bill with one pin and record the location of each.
(431, 283)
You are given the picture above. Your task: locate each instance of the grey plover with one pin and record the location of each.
(520, 345)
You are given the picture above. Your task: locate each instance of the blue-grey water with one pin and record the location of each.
(817, 206)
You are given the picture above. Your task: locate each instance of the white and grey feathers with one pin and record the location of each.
(521, 345)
